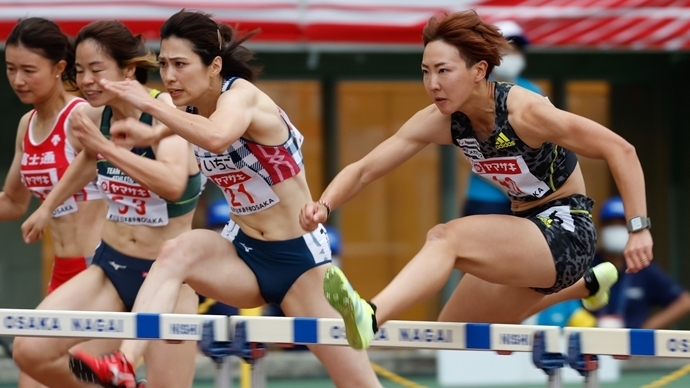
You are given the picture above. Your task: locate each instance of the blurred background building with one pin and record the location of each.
(348, 74)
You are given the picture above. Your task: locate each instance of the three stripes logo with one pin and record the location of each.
(502, 141)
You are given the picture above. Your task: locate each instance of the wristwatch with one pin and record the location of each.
(639, 223)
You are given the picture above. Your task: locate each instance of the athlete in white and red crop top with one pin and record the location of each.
(44, 162)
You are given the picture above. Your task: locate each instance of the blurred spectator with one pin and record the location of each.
(514, 62)
(648, 299)
(217, 215)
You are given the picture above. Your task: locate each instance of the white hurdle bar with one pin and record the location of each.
(400, 334)
(326, 331)
(118, 325)
(308, 331)
(632, 342)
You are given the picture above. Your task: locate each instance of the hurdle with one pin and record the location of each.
(220, 337)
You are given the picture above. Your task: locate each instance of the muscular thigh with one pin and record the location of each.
(214, 269)
(305, 298)
(476, 300)
(502, 249)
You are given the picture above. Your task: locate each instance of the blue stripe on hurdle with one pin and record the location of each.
(642, 342)
(148, 325)
(305, 330)
(478, 335)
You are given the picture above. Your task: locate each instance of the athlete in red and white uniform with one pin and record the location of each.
(45, 147)
(38, 60)
(45, 158)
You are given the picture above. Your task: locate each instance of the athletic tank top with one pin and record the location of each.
(130, 202)
(44, 163)
(526, 173)
(247, 170)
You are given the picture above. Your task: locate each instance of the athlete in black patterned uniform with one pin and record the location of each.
(514, 265)
(529, 174)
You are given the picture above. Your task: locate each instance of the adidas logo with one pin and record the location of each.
(502, 141)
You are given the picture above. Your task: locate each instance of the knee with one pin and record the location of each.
(175, 253)
(438, 232)
(28, 353)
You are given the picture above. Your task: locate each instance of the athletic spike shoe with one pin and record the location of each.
(109, 371)
(599, 281)
(358, 314)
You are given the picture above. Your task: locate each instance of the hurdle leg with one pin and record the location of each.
(259, 373)
(550, 363)
(555, 380)
(223, 376)
(592, 380)
(585, 364)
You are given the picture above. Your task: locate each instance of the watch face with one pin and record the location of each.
(636, 223)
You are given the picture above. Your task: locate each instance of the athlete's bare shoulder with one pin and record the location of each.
(22, 127)
(428, 125)
(94, 113)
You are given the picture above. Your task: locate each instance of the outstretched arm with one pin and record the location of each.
(425, 127)
(537, 121)
(15, 197)
(229, 121)
(165, 176)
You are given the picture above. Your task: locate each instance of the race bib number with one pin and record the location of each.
(132, 204)
(513, 174)
(41, 183)
(245, 192)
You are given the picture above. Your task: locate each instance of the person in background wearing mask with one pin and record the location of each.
(636, 295)
(514, 62)
(217, 216)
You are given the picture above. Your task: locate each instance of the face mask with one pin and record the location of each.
(614, 238)
(511, 66)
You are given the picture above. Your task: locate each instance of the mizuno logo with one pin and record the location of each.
(502, 141)
(116, 265)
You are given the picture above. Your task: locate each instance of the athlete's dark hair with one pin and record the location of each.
(475, 40)
(210, 39)
(118, 42)
(45, 38)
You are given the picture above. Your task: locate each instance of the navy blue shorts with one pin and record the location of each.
(278, 264)
(127, 273)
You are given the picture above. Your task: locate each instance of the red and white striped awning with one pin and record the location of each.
(578, 24)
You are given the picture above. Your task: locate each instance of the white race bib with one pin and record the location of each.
(41, 183)
(132, 204)
(245, 192)
(511, 173)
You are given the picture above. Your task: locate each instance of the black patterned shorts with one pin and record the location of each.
(567, 225)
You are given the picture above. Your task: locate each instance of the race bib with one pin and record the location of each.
(511, 173)
(245, 192)
(41, 183)
(132, 204)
